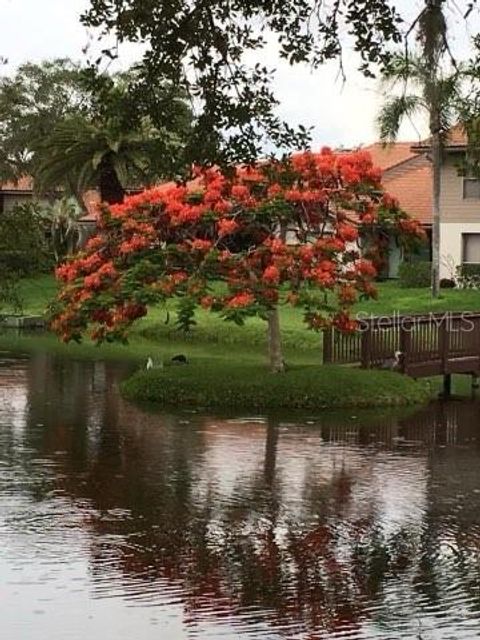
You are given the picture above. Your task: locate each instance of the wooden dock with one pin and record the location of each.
(10, 321)
(417, 345)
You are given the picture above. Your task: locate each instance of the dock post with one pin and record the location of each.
(447, 385)
(328, 345)
(366, 348)
(444, 348)
(405, 346)
(475, 385)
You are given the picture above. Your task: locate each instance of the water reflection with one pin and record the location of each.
(122, 523)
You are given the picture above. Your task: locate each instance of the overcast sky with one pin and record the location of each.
(342, 113)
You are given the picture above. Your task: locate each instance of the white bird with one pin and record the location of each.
(152, 365)
(393, 363)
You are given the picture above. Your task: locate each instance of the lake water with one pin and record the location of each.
(118, 523)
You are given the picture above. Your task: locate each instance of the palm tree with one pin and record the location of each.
(64, 216)
(80, 155)
(132, 134)
(425, 86)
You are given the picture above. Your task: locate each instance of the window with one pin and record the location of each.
(471, 248)
(471, 188)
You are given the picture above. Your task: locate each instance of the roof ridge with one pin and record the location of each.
(416, 156)
(390, 155)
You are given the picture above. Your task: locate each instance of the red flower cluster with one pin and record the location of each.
(241, 300)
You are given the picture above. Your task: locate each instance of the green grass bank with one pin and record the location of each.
(218, 384)
(228, 364)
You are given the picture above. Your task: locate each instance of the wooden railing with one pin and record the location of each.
(418, 345)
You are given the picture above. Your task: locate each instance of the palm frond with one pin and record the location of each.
(404, 70)
(393, 112)
(77, 153)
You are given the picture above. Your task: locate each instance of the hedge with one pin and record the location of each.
(415, 274)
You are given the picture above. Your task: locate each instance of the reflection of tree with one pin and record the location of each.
(241, 554)
(271, 443)
(449, 563)
(298, 537)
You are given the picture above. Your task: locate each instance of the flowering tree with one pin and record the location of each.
(239, 245)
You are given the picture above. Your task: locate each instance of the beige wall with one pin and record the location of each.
(452, 245)
(10, 200)
(459, 216)
(454, 207)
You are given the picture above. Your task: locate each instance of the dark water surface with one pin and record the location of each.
(121, 524)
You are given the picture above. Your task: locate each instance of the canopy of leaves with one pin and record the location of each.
(57, 118)
(32, 102)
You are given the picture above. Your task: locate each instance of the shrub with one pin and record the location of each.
(415, 274)
(469, 270)
(24, 248)
(468, 276)
(447, 283)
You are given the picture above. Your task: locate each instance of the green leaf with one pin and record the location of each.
(97, 158)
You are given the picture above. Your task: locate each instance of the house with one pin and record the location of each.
(12, 193)
(459, 207)
(22, 191)
(407, 176)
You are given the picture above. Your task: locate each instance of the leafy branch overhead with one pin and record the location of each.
(202, 46)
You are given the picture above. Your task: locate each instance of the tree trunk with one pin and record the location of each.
(436, 211)
(432, 35)
(277, 364)
(111, 189)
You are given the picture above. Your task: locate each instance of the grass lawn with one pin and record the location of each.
(36, 293)
(228, 363)
(393, 298)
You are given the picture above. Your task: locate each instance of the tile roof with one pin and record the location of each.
(413, 188)
(406, 176)
(391, 155)
(456, 137)
(25, 183)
